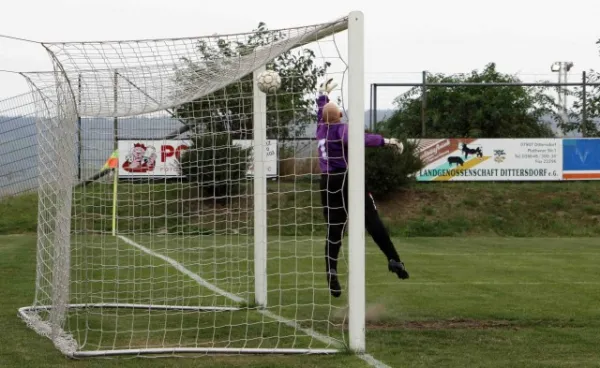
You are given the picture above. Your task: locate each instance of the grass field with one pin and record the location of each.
(534, 209)
(470, 302)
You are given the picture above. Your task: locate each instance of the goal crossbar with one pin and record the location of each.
(74, 67)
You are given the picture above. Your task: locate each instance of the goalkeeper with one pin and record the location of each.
(332, 137)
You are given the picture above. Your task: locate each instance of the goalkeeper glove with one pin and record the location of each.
(394, 142)
(326, 87)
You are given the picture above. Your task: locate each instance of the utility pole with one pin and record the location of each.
(562, 68)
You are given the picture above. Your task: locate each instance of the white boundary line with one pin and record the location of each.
(371, 252)
(496, 254)
(525, 283)
(369, 359)
(203, 282)
(179, 267)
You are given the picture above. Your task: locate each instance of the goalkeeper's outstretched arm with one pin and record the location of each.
(329, 113)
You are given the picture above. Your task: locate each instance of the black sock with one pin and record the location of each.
(377, 231)
(333, 246)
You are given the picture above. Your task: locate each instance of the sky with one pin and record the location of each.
(402, 38)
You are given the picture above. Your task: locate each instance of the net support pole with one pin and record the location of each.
(115, 148)
(356, 183)
(59, 195)
(260, 193)
(79, 143)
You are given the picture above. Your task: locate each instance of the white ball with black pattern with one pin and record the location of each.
(268, 81)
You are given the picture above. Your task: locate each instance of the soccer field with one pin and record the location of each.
(476, 302)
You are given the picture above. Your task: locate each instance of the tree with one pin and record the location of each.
(387, 170)
(230, 109)
(473, 111)
(220, 117)
(216, 165)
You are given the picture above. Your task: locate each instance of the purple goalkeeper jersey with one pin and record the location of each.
(333, 141)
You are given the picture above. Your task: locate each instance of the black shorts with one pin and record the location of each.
(334, 198)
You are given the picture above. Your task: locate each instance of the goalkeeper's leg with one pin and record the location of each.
(381, 237)
(334, 198)
(334, 210)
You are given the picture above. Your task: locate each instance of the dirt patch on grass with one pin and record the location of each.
(432, 325)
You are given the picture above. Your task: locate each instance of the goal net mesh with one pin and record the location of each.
(147, 201)
(19, 144)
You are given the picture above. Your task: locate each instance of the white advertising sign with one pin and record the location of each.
(270, 156)
(491, 160)
(160, 158)
(150, 158)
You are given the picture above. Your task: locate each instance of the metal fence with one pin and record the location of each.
(561, 89)
(18, 145)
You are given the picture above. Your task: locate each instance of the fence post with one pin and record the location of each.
(423, 104)
(371, 106)
(374, 127)
(584, 105)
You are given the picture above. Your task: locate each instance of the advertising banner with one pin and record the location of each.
(491, 160)
(160, 158)
(270, 156)
(150, 158)
(581, 159)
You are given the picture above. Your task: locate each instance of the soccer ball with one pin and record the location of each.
(269, 81)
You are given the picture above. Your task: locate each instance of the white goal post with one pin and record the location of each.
(213, 260)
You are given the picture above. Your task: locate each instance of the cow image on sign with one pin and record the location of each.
(492, 159)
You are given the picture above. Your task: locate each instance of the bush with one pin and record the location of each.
(215, 164)
(294, 166)
(386, 170)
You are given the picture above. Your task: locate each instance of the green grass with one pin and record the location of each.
(530, 209)
(502, 274)
(470, 302)
(420, 210)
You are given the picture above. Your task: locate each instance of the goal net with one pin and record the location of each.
(179, 206)
(18, 145)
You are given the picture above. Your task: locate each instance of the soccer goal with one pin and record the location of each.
(179, 206)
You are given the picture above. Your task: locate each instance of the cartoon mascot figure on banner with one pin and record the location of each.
(141, 158)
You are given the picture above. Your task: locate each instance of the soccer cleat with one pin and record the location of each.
(398, 268)
(334, 284)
